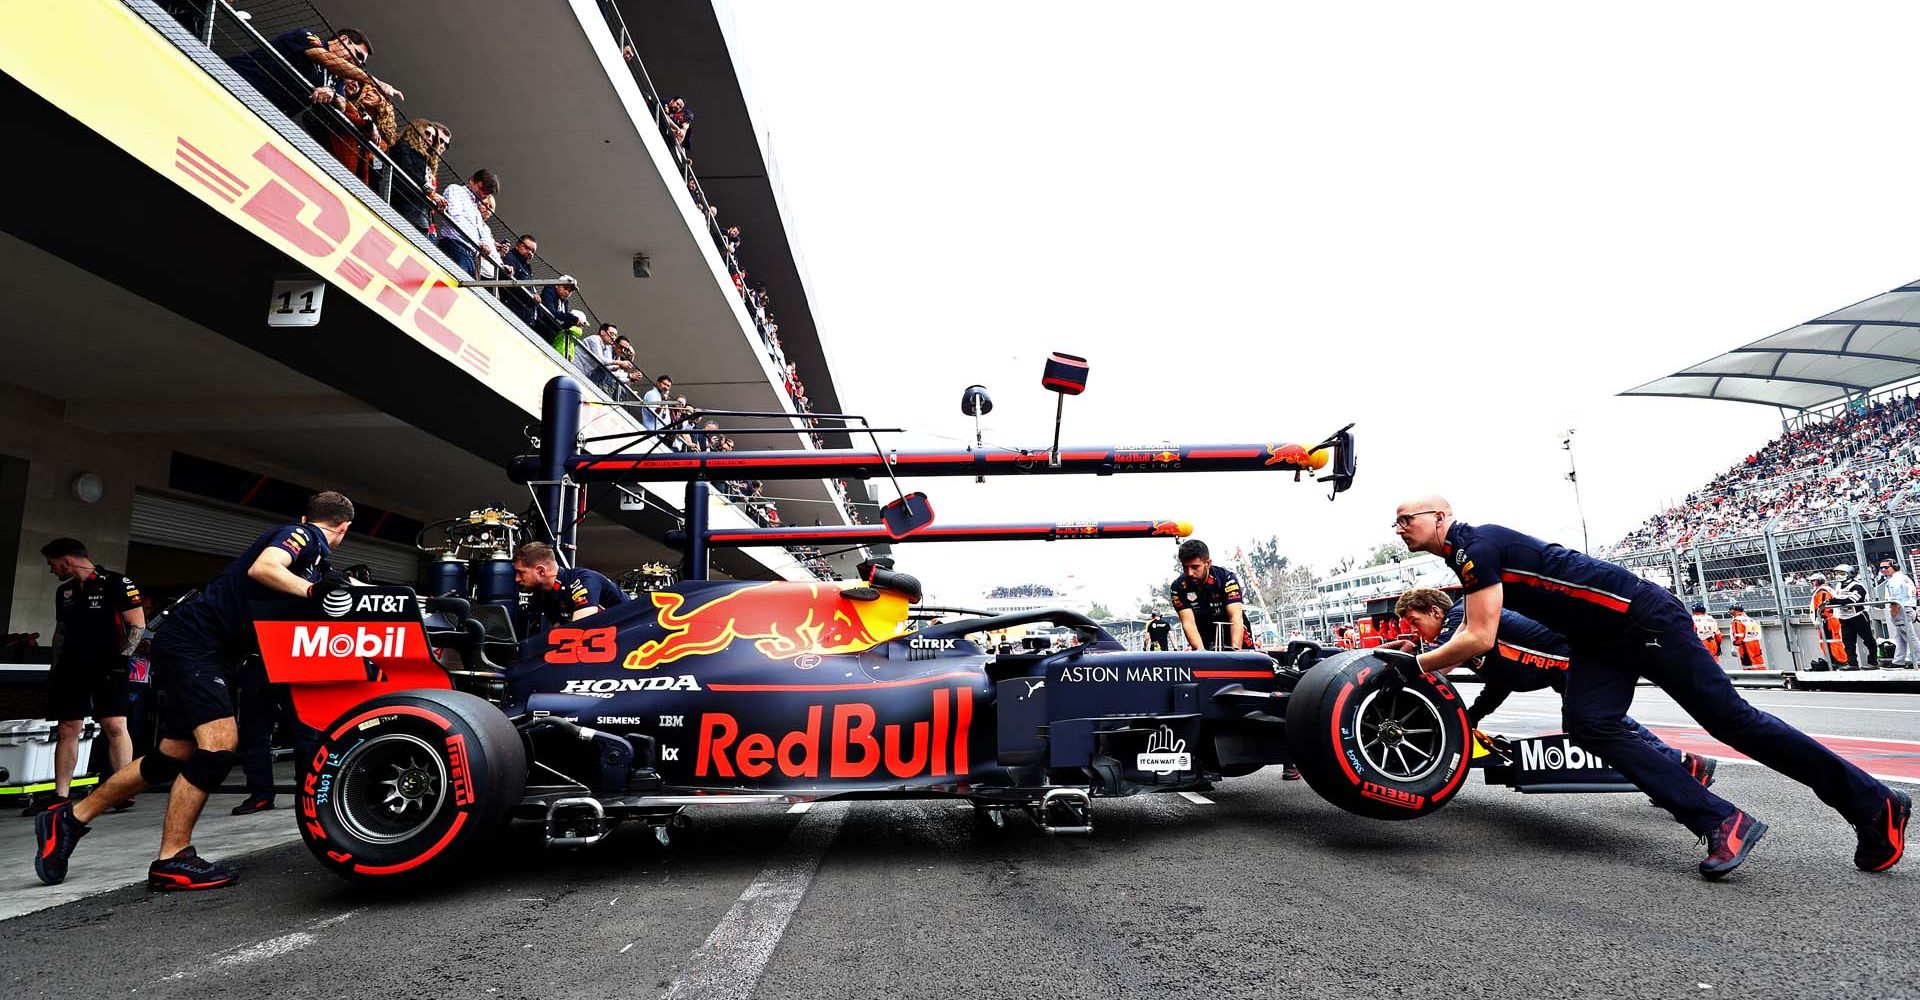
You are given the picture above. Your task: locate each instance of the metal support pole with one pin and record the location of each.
(559, 436)
(1673, 563)
(695, 567)
(1899, 544)
(206, 28)
(1700, 569)
(1859, 546)
(1780, 595)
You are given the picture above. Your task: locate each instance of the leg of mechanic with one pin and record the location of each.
(1685, 672)
(1854, 632)
(1906, 645)
(1600, 682)
(66, 756)
(206, 769)
(1646, 736)
(119, 742)
(156, 767)
(257, 714)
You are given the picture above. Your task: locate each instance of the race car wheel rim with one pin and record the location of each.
(1402, 733)
(391, 787)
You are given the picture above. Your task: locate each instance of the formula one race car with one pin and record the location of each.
(722, 692)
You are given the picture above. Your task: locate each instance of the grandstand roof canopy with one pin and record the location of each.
(1847, 352)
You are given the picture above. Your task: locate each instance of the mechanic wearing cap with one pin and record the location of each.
(1619, 628)
(198, 660)
(1526, 656)
(98, 621)
(1899, 595)
(1820, 604)
(1207, 598)
(560, 595)
(1849, 605)
(1707, 629)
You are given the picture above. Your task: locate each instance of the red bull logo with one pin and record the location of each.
(786, 619)
(1172, 529)
(1295, 456)
(857, 745)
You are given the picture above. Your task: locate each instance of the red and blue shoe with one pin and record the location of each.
(187, 871)
(1701, 768)
(1729, 843)
(55, 831)
(1883, 839)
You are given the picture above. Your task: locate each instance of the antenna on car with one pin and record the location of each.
(1066, 375)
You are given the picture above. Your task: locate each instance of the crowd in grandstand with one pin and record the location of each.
(1866, 460)
(317, 76)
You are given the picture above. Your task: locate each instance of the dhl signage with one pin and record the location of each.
(132, 86)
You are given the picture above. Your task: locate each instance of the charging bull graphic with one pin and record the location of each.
(1295, 456)
(787, 619)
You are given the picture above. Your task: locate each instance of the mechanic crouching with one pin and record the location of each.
(198, 665)
(1526, 656)
(556, 595)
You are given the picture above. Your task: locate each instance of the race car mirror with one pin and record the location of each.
(907, 515)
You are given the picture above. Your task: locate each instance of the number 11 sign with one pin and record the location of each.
(296, 303)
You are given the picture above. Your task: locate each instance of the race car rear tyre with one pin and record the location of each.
(405, 782)
(1373, 746)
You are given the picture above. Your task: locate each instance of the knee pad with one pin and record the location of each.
(208, 769)
(157, 768)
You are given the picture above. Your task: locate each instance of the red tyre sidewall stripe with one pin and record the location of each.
(413, 710)
(1339, 750)
(459, 820)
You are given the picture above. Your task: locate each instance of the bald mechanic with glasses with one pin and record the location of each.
(1620, 628)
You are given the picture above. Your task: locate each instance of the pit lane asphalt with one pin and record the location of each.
(1266, 891)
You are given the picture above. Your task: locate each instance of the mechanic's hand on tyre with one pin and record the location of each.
(1403, 667)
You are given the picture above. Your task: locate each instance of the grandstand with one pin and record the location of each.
(1841, 484)
(182, 181)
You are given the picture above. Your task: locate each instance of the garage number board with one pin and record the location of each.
(296, 303)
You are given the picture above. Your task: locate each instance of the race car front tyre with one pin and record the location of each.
(405, 782)
(1375, 745)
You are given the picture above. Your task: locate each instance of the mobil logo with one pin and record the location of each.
(847, 741)
(388, 642)
(1556, 753)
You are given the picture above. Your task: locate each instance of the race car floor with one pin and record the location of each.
(1257, 889)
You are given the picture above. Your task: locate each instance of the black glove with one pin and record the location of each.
(1402, 667)
(329, 582)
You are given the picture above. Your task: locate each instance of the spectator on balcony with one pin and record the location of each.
(680, 126)
(487, 251)
(373, 127)
(653, 416)
(608, 371)
(416, 159)
(466, 227)
(298, 69)
(572, 335)
(554, 311)
(731, 239)
(516, 262)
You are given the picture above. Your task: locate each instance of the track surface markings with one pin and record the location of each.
(729, 964)
(1196, 797)
(260, 951)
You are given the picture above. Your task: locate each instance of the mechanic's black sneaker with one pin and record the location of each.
(42, 802)
(55, 832)
(1884, 837)
(252, 805)
(1289, 773)
(1701, 768)
(188, 871)
(1729, 843)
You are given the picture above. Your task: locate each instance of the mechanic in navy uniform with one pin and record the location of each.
(198, 661)
(1207, 598)
(1526, 656)
(97, 623)
(1159, 633)
(560, 595)
(1620, 628)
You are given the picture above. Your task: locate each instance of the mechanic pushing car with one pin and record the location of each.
(1526, 656)
(197, 668)
(1207, 598)
(560, 595)
(1620, 628)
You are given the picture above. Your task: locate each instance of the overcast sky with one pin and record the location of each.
(1463, 228)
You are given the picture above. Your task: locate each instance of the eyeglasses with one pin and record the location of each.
(1402, 520)
(358, 55)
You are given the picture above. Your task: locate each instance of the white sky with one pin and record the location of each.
(1462, 227)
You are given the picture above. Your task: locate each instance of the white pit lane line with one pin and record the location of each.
(260, 951)
(728, 965)
(1197, 798)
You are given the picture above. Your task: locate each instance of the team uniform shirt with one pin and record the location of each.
(1569, 592)
(1706, 628)
(1526, 655)
(571, 591)
(1849, 597)
(1158, 632)
(220, 617)
(263, 69)
(1208, 600)
(89, 611)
